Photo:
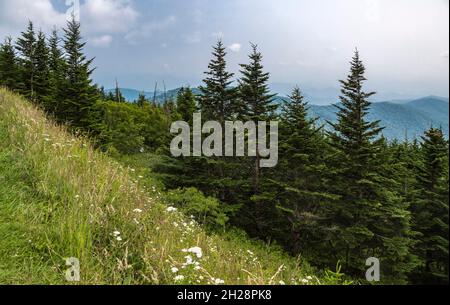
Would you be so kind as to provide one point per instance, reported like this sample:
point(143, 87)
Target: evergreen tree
point(56, 76)
point(300, 177)
point(370, 219)
point(142, 100)
point(256, 104)
point(42, 70)
point(186, 105)
point(430, 209)
point(26, 45)
point(218, 99)
point(9, 69)
point(79, 93)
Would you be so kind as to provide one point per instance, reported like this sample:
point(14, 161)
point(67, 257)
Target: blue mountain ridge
point(401, 119)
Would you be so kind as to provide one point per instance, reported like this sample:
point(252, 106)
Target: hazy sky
point(404, 43)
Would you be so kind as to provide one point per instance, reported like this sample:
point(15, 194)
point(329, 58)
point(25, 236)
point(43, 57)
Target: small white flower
point(305, 281)
point(197, 267)
point(189, 260)
point(281, 283)
point(174, 269)
point(171, 209)
point(118, 238)
point(116, 233)
point(219, 281)
point(137, 210)
point(309, 277)
point(197, 251)
point(179, 278)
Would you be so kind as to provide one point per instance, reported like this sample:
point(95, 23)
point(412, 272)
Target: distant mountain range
point(402, 118)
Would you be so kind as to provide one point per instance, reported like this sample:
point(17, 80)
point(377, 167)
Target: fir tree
point(9, 69)
point(142, 100)
point(256, 104)
point(42, 72)
point(370, 218)
point(256, 101)
point(300, 177)
point(430, 209)
point(186, 105)
point(218, 99)
point(79, 93)
point(26, 45)
point(56, 75)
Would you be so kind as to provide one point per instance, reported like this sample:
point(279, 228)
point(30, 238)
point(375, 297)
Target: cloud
point(15, 13)
point(101, 41)
point(146, 30)
point(235, 47)
point(108, 16)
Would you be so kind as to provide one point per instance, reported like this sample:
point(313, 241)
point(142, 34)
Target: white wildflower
point(118, 238)
point(197, 251)
point(116, 233)
point(189, 260)
point(174, 269)
point(179, 278)
point(281, 282)
point(305, 281)
point(171, 209)
point(137, 210)
point(219, 282)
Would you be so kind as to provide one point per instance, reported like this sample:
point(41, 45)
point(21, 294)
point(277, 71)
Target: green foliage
point(370, 218)
point(79, 93)
point(430, 208)
point(9, 67)
point(206, 210)
point(26, 45)
point(186, 104)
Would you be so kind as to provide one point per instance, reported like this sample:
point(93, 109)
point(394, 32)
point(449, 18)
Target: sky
point(403, 43)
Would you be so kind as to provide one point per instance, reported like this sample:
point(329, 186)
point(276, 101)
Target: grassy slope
point(59, 198)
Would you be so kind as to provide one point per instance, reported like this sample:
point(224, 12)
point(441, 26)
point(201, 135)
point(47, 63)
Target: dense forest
point(336, 197)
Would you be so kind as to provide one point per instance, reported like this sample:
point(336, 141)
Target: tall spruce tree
point(42, 70)
point(430, 209)
point(370, 219)
point(56, 75)
point(9, 70)
point(256, 100)
point(256, 104)
point(218, 99)
point(26, 45)
point(79, 93)
point(300, 177)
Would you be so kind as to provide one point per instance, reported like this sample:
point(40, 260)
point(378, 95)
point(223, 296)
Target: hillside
point(60, 198)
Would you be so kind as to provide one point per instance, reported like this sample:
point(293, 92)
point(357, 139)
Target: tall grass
point(72, 201)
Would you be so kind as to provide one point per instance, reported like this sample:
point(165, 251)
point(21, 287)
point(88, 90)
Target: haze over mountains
point(407, 118)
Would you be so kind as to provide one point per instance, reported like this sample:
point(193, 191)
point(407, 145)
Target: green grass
point(60, 198)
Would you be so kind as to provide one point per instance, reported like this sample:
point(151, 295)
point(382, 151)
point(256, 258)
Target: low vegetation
point(60, 198)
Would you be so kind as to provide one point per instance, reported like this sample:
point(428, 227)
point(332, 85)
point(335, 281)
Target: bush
point(206, 210)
